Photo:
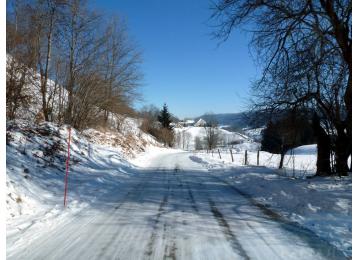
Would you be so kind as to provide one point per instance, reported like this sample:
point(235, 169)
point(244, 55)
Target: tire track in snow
point(139, 191)
point(132, 193)
point(184, 202)
point(175, 191)
point(264, 240)
point(225, 228)
point(169, 235)
point(221, 221)
point(155, 230)
point(306, 235)
point(220, 218)
point(63, 241)
point(191, 198)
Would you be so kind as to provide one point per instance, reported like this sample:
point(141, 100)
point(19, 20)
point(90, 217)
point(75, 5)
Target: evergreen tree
point(165, 117)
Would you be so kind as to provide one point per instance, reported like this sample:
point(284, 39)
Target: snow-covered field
point(254, 133)
point(141, 201)
point(299, 162)
point(188, 134)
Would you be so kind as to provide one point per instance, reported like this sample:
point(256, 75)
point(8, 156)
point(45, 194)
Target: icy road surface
point(175, 209)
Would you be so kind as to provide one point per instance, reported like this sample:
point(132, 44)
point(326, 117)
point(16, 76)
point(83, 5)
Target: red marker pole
point(67, 167)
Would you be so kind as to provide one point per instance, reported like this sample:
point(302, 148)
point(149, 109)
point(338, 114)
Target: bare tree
point(89, 93)
point(120, 69)
point(198, 143)
point(177, 139)
point(107, 55)
point(167, 136)
point(150, 123)
point(83, 63)
point(211, 133)
point(306, 48)
point(80, 45)
point(44, 17)
point(21, 58)
point(185, 139)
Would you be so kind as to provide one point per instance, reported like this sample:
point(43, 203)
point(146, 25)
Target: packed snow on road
point(152, 202)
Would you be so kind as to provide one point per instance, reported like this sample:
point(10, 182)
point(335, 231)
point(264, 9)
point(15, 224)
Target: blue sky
point(183, 66)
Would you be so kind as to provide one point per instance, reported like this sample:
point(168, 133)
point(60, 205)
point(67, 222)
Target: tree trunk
point(45, 74)
point(342, 34)
point(323, 163)
point(342, 152)
point(282, 155)
point(323, 155)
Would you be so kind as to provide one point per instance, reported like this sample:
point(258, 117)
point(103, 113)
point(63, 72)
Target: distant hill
point(238, 121)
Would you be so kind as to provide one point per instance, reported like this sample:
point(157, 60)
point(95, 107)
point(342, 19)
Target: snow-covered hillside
point(254, 133)
point(32, 90)
point(191, 132)
point(35, 170)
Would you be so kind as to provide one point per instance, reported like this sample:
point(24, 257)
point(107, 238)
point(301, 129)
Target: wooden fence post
point(257, 158)
point(232, 157)
point(219, 153)
point(245, 159)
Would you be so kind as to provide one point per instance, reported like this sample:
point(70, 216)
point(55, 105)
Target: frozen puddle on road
point(177, 212)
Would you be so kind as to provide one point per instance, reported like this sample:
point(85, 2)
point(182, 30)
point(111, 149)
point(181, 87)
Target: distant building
point(186, 123)
point(189, 122)
point(200, 122)
point(177, 125)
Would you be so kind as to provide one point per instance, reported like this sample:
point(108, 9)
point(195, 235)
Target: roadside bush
point(167, 136)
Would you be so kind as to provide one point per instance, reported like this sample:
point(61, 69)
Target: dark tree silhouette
point(166, 132)
point(165, 117)
point(323, 148)
point(271, 141)
point(306, 49)
point(293, 129)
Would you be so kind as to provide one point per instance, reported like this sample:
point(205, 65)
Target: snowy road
point(175, 209)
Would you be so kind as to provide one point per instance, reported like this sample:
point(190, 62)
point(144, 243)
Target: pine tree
point(165, 117)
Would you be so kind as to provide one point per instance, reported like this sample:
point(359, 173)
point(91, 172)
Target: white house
point(189, 122)
point(200, 122)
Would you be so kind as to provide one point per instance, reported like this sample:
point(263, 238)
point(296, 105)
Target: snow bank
point(32, 89)
point(129, 141)
point(35, 170)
